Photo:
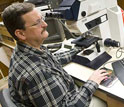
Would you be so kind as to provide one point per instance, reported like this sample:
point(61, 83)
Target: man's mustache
point(44, 29)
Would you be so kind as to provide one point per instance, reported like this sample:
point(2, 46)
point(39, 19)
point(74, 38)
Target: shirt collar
point(28, 49)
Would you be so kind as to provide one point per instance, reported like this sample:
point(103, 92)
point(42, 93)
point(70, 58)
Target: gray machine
point(95, 16)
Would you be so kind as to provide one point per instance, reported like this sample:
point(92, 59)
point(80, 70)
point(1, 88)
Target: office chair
point(5, 98)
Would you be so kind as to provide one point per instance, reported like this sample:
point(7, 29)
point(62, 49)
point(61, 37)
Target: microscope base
point(95, 63)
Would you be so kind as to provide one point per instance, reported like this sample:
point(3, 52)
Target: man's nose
point(44, 24)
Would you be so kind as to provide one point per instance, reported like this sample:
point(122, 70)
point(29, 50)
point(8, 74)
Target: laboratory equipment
point(104, 18)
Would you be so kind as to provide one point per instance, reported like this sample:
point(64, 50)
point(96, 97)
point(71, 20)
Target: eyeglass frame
point(38, 23)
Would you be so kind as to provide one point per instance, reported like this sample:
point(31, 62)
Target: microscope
point(94, 21)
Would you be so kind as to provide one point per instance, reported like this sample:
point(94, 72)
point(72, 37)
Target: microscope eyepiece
point(109, 42)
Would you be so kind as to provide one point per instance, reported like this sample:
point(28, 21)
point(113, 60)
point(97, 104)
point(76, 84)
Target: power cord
point(119, 52)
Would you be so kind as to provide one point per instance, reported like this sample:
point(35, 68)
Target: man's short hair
point(12, 16)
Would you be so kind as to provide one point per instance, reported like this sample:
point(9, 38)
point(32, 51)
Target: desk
point(114, 95)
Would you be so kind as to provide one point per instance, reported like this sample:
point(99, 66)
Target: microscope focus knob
point(83, 13)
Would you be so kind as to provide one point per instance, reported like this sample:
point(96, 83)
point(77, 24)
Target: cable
point(121, 51)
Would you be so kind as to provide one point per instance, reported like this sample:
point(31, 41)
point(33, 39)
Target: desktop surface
point(82, 73)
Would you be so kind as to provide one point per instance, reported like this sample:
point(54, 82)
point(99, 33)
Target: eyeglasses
point(38, 23)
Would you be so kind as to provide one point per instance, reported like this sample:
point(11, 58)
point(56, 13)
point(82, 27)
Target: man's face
point(35, 31)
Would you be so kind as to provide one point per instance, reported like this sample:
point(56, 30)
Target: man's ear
point(20, 34)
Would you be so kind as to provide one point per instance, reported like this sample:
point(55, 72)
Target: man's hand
point(99, 75)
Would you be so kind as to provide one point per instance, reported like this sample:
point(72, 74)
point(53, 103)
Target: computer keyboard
point(122, 62)
point(118, 67)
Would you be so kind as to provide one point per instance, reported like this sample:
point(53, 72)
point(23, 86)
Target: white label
point(103, 18)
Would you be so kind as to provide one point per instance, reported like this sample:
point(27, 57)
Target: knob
point(83, 13)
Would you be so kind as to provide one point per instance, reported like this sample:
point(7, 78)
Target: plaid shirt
point(37, 79)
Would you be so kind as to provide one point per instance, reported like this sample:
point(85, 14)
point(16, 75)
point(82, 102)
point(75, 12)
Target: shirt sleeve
point(67, 56)
point(81, 97)
point(50, 92)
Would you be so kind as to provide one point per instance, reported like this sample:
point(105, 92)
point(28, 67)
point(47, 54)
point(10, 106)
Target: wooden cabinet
point(121, 3)
point(5, 3)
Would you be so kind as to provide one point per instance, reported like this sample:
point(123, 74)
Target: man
point(36, 77)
